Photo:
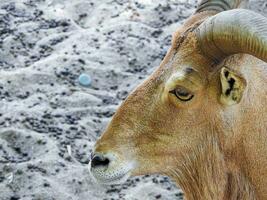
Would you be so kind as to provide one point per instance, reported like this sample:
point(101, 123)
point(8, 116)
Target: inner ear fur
point(232, 87)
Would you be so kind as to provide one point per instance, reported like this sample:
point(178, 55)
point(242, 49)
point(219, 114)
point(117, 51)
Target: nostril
point(98, 161)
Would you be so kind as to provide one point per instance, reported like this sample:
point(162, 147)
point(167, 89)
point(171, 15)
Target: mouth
point(111, 176)
point(114, 180)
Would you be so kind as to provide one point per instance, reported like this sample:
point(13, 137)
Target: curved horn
point(231, 32)
point(220, 5)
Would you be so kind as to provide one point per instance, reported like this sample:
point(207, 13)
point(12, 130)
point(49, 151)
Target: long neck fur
point(204, 175)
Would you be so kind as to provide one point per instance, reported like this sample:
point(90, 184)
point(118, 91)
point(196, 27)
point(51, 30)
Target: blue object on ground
point(85, 80)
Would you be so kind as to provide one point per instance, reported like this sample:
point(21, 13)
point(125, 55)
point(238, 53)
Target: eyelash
point(182, 94)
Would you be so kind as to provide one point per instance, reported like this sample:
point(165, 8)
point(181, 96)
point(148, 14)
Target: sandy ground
point(45, 114)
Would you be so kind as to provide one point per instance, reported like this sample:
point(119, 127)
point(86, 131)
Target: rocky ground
point(45, 114)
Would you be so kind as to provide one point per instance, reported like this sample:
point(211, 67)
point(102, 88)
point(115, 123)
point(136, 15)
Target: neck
point(203, 175)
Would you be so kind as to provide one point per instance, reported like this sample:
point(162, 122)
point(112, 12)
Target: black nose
point(99, 161)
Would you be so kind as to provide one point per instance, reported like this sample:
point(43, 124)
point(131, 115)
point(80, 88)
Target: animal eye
point(182, 94)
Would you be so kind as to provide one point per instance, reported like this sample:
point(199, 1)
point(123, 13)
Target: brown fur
point(212, 151)
point(203, 174)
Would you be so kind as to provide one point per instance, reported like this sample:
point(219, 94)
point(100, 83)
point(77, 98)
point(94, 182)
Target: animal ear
point(233, 87)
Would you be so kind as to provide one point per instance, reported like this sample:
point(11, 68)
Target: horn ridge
point(220, 5)
point(232, 32)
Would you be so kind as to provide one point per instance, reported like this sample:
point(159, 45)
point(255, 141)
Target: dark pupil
point(182, 92)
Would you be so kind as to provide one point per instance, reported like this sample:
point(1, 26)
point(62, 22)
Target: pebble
point(85, 80)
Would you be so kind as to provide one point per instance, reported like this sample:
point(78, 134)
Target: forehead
point(184, 58)
point(183, 72)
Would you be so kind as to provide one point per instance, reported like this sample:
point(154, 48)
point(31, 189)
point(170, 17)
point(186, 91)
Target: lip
point(115, 180)
point(111, 176)
point(121, 178)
